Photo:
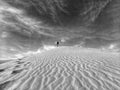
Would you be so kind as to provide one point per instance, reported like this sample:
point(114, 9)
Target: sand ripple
point(63, 69)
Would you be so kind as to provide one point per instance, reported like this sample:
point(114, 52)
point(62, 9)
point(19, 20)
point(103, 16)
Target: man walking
point(57, 43)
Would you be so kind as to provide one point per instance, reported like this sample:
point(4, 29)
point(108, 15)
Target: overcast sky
point(30, 24)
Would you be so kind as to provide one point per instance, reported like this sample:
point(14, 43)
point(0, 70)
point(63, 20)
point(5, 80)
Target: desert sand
point(63, 68)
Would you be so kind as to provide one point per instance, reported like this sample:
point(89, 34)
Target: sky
point(30, 25)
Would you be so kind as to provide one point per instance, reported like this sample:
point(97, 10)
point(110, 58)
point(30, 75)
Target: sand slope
point(63, 69)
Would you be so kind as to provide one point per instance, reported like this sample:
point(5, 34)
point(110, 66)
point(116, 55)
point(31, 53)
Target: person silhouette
point(57, 43)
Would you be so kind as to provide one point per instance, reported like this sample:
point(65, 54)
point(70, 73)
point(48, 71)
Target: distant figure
point(57, 43)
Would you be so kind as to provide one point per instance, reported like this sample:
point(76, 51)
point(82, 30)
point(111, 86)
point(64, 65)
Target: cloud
point(64, 18)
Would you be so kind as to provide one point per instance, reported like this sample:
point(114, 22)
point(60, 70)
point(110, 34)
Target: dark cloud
point(52, 19)
point(62, 12)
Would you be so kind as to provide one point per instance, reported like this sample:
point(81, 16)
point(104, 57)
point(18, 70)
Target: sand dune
point(63, 69)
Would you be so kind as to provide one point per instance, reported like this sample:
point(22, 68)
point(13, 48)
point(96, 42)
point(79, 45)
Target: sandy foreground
point(64, 68)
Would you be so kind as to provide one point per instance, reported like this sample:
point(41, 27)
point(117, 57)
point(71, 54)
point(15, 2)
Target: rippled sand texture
point(63, 69)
